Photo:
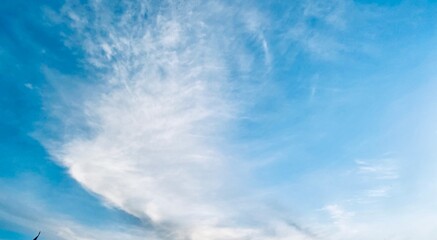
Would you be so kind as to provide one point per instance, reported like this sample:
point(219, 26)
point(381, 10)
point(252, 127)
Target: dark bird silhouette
point(37, 236)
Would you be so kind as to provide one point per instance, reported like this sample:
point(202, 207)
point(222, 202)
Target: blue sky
point(218, 119)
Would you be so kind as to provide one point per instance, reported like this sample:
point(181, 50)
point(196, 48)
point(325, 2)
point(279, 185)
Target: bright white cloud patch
point(158, 115)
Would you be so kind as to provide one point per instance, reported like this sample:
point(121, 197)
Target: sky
point(218, 120)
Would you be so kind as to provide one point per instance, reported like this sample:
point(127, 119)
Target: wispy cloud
point(158, 114)
point(316, 30)
point(383, 169)
point(169, 81)
point(34, 214)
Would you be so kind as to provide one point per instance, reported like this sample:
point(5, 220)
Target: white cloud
point(382, 169)
point(29, 86)
point(378, 192)
point(27, 212)
point(157, 117)
point(316, 30)
point(337, 213)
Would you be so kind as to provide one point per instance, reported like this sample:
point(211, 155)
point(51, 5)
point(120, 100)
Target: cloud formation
point(166, 95)
point(168, 82)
